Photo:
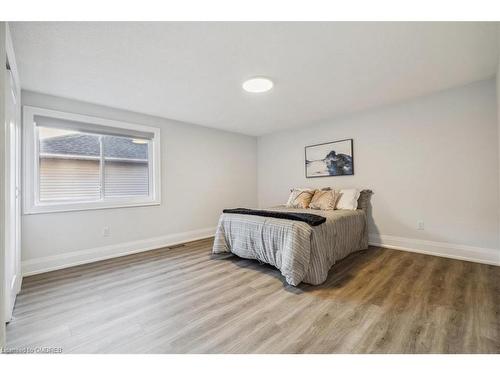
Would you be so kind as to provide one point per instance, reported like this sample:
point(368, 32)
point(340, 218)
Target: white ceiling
point(193, 71)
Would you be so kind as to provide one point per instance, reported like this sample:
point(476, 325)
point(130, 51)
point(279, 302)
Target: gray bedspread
point(302, 253)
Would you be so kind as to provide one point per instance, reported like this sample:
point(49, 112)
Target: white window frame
point(32, 204)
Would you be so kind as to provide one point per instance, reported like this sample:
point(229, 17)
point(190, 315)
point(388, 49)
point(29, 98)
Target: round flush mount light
point(258, 85)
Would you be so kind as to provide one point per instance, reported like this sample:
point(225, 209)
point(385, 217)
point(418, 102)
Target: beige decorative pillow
point(300, 198)
point(324, 200)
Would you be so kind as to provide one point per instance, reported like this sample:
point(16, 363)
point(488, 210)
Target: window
point(76, 162)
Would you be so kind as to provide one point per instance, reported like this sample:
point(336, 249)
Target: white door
point(12, 191)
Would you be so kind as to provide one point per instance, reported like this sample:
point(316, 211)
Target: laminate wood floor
point(185, 300)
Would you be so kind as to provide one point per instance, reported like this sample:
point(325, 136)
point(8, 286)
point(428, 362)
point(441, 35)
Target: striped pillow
point(300, 198)
point(324, 200)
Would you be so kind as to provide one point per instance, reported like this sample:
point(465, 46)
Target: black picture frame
point(340, 167)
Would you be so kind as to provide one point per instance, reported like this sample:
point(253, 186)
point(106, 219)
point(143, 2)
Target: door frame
point(12, 184)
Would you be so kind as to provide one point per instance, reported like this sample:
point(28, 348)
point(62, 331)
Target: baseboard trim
point(441, 249)
point(56, 262)
point(12, 291)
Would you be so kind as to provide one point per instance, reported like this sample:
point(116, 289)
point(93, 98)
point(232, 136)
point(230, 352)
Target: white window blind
point(66, 179)
point(125, 179)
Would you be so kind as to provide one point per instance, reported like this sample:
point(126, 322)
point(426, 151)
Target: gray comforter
point(302, 253)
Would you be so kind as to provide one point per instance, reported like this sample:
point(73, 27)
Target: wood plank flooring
point(185, 300)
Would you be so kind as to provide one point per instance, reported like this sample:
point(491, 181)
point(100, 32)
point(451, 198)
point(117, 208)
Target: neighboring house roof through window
point(88, 145)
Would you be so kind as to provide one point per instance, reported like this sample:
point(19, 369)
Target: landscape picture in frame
point(329, 159)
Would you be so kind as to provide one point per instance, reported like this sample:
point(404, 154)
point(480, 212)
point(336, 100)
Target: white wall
point(203, 171)
point(434, 158)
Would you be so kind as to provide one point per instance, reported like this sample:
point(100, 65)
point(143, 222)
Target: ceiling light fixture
point(258, 85)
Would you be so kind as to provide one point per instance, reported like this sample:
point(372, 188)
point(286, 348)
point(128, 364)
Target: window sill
point(87, 206)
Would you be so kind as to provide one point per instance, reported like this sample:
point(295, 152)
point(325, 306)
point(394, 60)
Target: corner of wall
point(257, 170)
point(498, 124)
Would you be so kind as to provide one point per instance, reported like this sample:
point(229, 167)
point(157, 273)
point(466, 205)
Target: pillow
point(348, 199)
point(300, 198)
point(324, 200)
point(364, 199)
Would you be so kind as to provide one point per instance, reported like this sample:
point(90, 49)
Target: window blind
point(125, 179)
point(69, 179)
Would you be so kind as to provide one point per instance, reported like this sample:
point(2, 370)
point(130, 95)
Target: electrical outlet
point(420, 225)
point(106, 232)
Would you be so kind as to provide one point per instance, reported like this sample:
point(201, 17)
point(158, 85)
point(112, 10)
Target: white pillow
point(348, 199)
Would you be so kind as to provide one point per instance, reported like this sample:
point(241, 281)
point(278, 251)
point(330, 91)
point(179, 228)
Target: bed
point(303, 253)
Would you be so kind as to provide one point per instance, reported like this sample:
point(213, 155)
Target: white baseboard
point(55, 262)
point(12, 291)
point(442, 249)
